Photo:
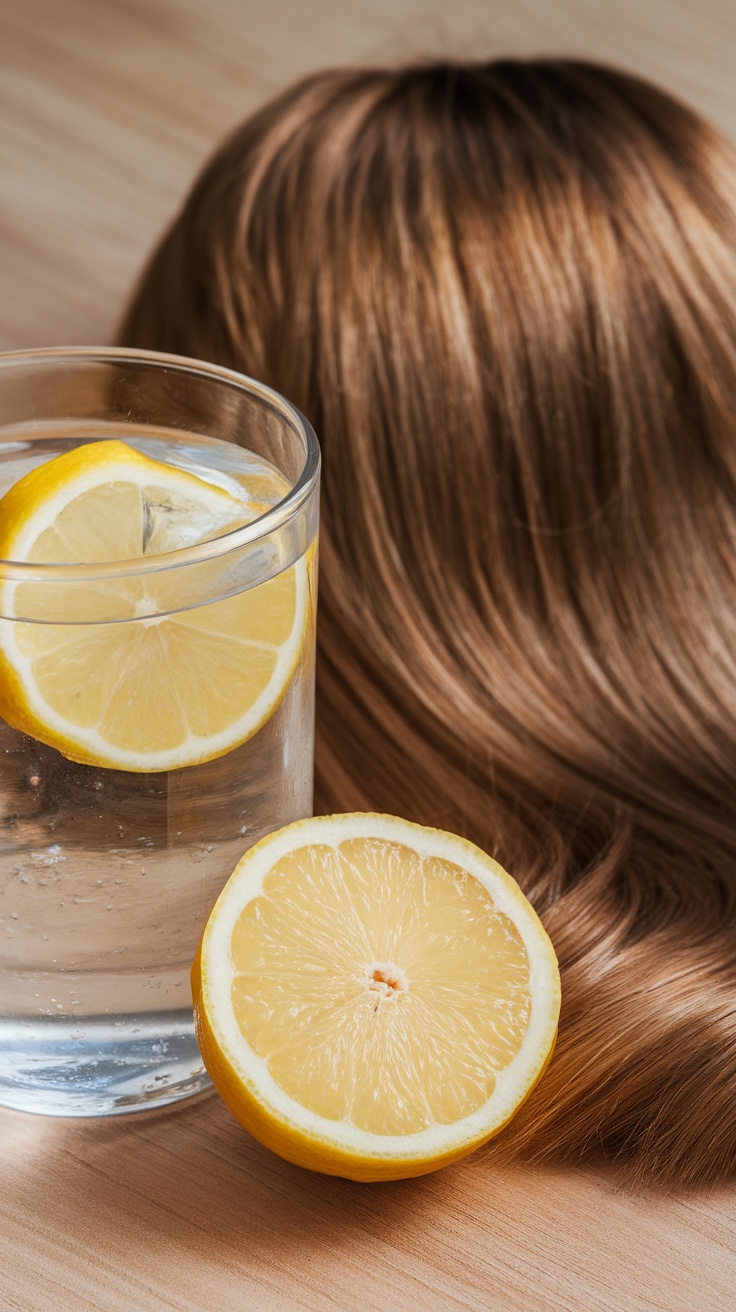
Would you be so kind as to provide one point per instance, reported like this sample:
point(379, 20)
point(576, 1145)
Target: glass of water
point(131, 783)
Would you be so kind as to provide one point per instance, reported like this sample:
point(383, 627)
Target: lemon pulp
point(410, 989)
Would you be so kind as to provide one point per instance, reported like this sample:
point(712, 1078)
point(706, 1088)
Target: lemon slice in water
point(159, 692)
point(373, 999)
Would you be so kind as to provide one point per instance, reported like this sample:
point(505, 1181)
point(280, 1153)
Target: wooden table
point(106, 109)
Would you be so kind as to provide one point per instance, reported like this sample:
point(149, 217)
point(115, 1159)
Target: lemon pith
point(166, 686)
point(373, 999)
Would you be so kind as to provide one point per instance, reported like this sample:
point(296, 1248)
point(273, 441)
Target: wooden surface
point(182, 1211)
point(106, 109)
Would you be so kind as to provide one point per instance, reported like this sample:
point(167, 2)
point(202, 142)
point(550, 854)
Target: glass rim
point(235, 539)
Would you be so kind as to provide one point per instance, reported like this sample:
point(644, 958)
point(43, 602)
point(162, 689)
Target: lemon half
point(373, 999)
point(164, 690)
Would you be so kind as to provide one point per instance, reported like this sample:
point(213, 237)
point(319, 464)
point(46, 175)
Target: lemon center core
point(386, 980)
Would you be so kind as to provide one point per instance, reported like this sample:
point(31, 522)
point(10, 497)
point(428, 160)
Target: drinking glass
point(107, 875)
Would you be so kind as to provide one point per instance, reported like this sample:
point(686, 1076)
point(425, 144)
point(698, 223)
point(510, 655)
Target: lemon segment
point(373, 999)
point(98, 503)
point(172, 687)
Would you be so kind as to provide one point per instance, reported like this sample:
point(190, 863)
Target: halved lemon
point(373, 999)
point(172, 687)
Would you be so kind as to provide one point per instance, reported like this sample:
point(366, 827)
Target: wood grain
point(107, 107)
point(182, 1210)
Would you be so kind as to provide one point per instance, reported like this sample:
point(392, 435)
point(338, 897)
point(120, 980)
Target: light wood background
point(107, 108)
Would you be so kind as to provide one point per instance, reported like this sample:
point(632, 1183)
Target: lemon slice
point(373, 999)
point(162, 691)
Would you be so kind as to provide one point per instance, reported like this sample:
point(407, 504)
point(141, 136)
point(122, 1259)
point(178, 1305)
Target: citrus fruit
point(174, 686)
point(373, 999)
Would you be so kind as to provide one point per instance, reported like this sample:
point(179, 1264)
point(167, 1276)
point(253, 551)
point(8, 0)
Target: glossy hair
point(505, 296)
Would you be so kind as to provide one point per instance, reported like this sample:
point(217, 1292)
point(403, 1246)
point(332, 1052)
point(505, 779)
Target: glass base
point(102, 1067)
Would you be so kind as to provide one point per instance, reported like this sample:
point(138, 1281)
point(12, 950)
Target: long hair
point(505, 296)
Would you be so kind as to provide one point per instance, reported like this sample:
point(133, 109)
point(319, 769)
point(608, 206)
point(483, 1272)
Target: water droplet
point(51, 857)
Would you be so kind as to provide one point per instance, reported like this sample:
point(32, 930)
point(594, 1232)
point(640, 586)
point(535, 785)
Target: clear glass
point(107, 875)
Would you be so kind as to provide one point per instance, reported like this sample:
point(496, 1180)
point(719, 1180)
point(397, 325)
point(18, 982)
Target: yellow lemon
point(373, 999)
point(165, 686)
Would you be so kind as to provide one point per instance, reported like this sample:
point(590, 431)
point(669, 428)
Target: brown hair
point(505, 295)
